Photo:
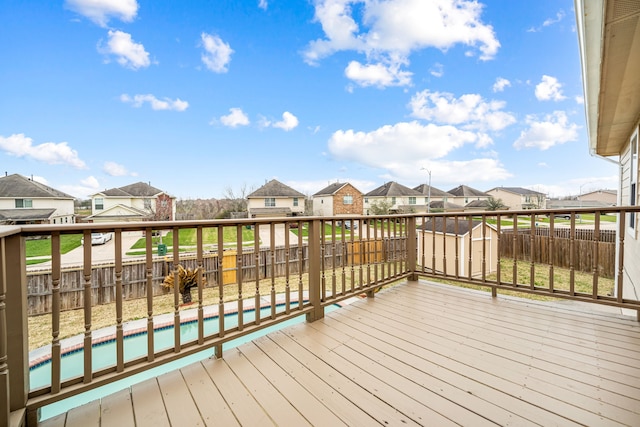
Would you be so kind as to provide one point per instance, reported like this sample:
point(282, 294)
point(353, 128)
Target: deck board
point(416, 354)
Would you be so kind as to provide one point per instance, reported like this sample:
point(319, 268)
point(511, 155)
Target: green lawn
point(187, 237)
point(42, 247)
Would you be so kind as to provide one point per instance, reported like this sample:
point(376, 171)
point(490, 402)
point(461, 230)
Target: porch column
point(14, 278)
point(412, 248)
point(315, 286)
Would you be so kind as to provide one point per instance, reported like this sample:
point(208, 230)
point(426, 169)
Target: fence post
point(315, 297)
point(412, 248)
point(14, 277)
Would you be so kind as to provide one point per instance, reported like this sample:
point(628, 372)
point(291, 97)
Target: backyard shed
point(464, 238)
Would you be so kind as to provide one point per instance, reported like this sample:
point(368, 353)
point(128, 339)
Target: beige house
point(338, 199)
point(463, 195)
point(469, 241)
point(518, 198)
point(135, 202)
point(609, 39)
point(275, 199)
point(397, 197)
point(607, 197)
point(25, 201)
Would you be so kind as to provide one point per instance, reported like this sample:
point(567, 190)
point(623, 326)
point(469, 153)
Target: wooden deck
point(416, 354)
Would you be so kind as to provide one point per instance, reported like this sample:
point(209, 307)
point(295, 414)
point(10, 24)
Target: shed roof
point(16, 185)
point(275, 188)
point(392, 189)
point(449, 226)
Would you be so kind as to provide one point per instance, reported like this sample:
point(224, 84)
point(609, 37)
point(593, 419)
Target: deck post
point(412, 248)
point(17, 355)
point(315, 297)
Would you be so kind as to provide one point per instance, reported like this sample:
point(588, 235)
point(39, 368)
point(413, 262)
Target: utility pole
point(428, 190)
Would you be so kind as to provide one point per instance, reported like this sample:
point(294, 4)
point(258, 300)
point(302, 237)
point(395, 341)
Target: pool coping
point(42, 355)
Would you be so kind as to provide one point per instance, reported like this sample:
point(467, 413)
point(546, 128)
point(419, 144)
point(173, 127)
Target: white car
point(99, 238)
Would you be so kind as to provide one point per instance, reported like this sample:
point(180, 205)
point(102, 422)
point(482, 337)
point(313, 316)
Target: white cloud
point(91, 182)
point(550, 21)
point(470, 110)
point(19, 145)
point(543, 134)
point(100, 11)
point(500, 84)
point(217, 54)
point(549, 89)
point(235, 118)
point(437, 70)
point(128, 53)
point(115, 169)
point(288, 122)
point(377, 74)
point(391, 146)
point(262, 4)
point(579, 99)
point(86, 188)
point(388, 32)
point(155, 103)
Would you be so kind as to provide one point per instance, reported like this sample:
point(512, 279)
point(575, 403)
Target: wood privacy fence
point(252, 267)
point(584, 255)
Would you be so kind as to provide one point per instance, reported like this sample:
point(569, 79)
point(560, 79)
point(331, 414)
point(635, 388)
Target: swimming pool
point(135, 346)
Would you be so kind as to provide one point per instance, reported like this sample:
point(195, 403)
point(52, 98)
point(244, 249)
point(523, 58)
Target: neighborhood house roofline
point(25, 214)
point(333, 189)
point(137, 190)
point(518, 190)
point(18, 186)
point(435, 192)
point(466, 191)
point(393, 189)
point(275, 188)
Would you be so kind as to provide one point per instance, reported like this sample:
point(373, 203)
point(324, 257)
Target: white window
point(295, 201)
point(393, 200)
point(24, 203)
point(412, 200)
point(270, 202)
point(347, 200)
point(99, 203)
point(633, 178)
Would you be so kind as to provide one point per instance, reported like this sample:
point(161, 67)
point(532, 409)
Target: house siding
point(339, 208)
point(631, 271)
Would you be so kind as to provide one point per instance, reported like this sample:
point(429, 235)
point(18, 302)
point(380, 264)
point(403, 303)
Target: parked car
point(565, 216)
point(98, 238)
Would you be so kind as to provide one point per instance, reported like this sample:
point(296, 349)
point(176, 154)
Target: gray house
point(275, 199)
point(398, 197)
point(25, 201)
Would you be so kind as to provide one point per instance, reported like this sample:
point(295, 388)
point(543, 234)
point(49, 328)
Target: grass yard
point(188, 239)
point(42, 247)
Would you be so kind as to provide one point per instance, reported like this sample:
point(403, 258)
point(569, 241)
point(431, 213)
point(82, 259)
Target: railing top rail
point(9, 230)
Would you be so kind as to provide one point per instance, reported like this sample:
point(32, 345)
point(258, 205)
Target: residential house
point(459, 242)
point(518, 198)
point(275, 199)
point(608, 197)
point(397, 197)
point(338, 199)
point(609, 40)
point(464, 194)
point(432, 194)
point(478, 206)
point(135, 202)
point(25, 201)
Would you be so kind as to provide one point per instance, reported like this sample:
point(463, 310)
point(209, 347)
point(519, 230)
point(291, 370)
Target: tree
point(236, 202)
point(495, 204)
point(380, 207)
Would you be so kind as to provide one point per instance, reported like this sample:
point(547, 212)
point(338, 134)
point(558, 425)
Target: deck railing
point(266, 271)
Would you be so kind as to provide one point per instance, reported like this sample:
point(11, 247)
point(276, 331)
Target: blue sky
point(198, 97)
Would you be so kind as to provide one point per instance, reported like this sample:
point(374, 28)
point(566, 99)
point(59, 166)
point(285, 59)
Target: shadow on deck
point(416, 354)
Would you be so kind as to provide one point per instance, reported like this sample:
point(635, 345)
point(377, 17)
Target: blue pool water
point(135, 346)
